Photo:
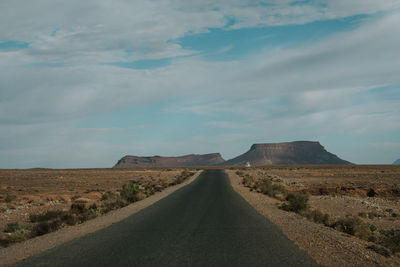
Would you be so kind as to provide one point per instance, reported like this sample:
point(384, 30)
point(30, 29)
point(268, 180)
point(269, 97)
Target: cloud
point(352, 61)
point(301, 92)
point(92, 31)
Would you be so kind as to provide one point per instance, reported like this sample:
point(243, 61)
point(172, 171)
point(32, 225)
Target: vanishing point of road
point(205, 223)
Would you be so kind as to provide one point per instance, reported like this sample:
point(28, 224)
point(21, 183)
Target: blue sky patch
point(224, 44)
point(10, 45)
point(143, 64)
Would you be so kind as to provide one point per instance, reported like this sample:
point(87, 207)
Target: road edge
point(337, 249)
point(31, 247)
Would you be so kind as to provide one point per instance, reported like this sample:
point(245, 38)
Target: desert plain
point(33, 196)
point(369, 193)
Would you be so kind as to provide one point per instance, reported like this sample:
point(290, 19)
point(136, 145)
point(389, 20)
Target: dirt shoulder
point(31, 247)
point(327, 246)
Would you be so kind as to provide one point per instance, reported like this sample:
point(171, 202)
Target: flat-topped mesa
point(158, 161)
point(298, 152)
point(287, 145)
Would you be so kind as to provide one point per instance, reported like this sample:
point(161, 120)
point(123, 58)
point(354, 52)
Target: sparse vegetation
point(297, 202)
point(130, 192)
point(111, 201)
point(45, 227)
point(15, 233)
point(12, 227)
point(391, 240)
point(83, 195)
point(355, 226)
point(362, 214)
point(369, 215)
point(182, 177)
point(273, 190)
point(248, 181)
point(53, 220)
point(379, 249)
point(386, 242)
point(318, 217)
point(73, 198)
point(371, 193)
point(47, 216)
point(10, 198)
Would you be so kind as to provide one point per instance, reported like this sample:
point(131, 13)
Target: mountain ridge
point(297, 152)
point(189, 160)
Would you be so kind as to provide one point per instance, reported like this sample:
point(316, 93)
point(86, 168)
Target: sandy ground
point(36, 191)
point(19, 251)
point(336, 190)
point(327, 246)
point(342, 190)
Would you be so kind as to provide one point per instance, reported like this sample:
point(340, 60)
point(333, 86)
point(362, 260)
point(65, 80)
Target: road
point(205, 223)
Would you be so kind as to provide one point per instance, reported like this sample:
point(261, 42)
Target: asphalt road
point(203, 224)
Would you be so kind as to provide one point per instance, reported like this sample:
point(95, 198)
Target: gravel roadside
point(327, 246)
point(37, 245)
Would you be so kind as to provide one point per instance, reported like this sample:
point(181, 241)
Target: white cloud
point(95, 31)
point(306, 92)
point(353, 61)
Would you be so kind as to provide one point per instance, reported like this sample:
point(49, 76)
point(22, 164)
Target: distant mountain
point(397, 162)
point(299, 152)
point(158, 161)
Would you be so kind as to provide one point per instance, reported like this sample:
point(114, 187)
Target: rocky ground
point(75, 195)
point(31, 247)
point(371, 192)
point(340, 191)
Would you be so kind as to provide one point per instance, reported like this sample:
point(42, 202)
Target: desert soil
point(34, 191)
point(98, 180)
point(338, 191)
point(343, 190)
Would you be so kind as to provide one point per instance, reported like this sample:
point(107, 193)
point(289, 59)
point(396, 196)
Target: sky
point(84, 83)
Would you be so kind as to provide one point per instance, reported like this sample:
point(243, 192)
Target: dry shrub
point(248, 180)
point(273, 190)
point(111, 201)
point(108, 196)
point(379, 249)
point(130, 192)
point(318, 217)
point(78, 208)
point(391, 240)
point(181, 178)
point(48, 215)
point(12, 227)
point(240, 173)
point(70, 219)
point(52, 220)
point(4, 242)
point(363, 214)
point(46, 227)
point(79, 214)
point(297, 202)
point(371, 193)
point(16, 233)
point(10, 198)
point(355, 226)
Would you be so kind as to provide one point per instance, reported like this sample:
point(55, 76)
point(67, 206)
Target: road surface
point(203, 224)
